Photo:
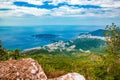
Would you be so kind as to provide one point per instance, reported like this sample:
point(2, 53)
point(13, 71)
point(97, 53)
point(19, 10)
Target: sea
point(22, 37)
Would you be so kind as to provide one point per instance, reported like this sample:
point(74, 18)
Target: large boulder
point(21, 70)
point(70, 76)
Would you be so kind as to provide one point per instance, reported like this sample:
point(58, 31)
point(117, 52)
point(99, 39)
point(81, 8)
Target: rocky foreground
point(29, 69)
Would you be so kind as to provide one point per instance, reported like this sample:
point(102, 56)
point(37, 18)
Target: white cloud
point(21, 11)
point(110, 8)
point(72, 11)
point(66, 11)
point(56, 2)
point(32, 11)
point(36, 2)
point(102, 3)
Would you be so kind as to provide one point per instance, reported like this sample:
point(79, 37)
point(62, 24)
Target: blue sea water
point(22, 37)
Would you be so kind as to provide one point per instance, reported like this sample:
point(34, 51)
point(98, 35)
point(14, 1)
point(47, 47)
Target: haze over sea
point(22, 37)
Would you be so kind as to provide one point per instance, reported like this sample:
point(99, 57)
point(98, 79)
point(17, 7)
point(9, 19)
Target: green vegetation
point(94, 66)
point(87, 43)
point(7, 54)
point(112, 35)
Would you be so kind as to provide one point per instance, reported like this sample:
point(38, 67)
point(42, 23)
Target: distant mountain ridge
point(99, 32)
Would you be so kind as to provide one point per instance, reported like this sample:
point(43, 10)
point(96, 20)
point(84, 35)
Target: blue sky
point(59, 12)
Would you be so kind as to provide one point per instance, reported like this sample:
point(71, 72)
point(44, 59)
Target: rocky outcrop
point(21, 69)
point(29, 69)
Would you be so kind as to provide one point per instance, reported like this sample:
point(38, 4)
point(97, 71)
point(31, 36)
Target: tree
point(16, 54)
point(112, 36)
point(3, 53)
point(6, 55)
point(0, 44)
point(0, 48)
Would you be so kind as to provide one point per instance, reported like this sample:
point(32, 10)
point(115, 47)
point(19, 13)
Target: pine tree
point(112, 36)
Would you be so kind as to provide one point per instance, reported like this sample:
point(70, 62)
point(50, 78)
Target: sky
point(59, 12)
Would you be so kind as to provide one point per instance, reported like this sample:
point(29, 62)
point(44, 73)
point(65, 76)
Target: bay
point(21, 37)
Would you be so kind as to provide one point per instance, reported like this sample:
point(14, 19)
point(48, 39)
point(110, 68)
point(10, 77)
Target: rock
point(70, 76)
point(21, 70)
point(29, 69)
